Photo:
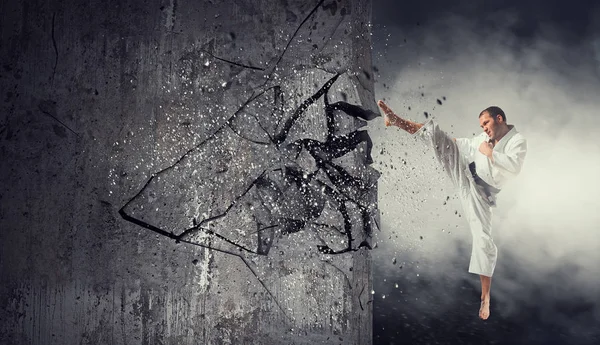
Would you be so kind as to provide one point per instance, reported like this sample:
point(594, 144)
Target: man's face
point(489, 125)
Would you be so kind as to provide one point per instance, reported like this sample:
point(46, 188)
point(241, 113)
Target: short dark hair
point(494, 111)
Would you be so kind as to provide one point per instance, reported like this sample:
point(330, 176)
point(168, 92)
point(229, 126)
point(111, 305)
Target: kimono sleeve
point(511, 161)
point(466, 147)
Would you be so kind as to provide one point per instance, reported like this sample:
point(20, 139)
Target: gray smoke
point(547, 223)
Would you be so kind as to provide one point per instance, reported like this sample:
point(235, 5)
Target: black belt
point(488, 190)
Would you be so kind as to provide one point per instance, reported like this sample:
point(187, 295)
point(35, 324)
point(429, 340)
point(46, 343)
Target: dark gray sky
point(572, 18)
point(539, 61)
point(522, 23)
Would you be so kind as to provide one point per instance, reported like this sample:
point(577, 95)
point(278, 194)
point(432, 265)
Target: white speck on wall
point(170, 11)
point(202, 280)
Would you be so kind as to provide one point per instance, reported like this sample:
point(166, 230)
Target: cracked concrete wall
point(185, 172)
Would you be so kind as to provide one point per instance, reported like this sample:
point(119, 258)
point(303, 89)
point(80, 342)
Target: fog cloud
point(547, 224)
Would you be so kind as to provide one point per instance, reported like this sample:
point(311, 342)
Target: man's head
point(493, 122)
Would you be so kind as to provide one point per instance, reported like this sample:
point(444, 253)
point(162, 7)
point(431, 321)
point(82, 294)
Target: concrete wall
point(150, 190)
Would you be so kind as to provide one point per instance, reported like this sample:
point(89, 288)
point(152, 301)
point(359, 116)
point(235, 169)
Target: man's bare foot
point(484, 309)
point(392, 119)
point(389, 118)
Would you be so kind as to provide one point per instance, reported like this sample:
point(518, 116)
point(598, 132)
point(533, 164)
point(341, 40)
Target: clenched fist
point(486, 148)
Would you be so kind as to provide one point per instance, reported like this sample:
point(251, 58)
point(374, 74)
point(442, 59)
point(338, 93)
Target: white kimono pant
point(477, 210)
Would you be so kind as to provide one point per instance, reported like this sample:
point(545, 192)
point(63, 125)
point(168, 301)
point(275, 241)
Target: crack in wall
point(49, 108)
point(274, 189)
point(322, 153)
point(294, 35)
point(233, 62)
point(341, 271)
point(359, 295)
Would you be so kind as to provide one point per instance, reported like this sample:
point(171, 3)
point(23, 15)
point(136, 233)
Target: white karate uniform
point(508, 157)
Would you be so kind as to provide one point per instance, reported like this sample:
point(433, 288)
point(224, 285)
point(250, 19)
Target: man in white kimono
point(479, 168)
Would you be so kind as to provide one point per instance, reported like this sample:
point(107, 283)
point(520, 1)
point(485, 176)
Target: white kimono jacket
point(507, 156)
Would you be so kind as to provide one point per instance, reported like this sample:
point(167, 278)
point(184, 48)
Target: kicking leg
point(392, 119)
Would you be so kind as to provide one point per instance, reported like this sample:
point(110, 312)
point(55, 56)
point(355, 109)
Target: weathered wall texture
point(171, 172)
